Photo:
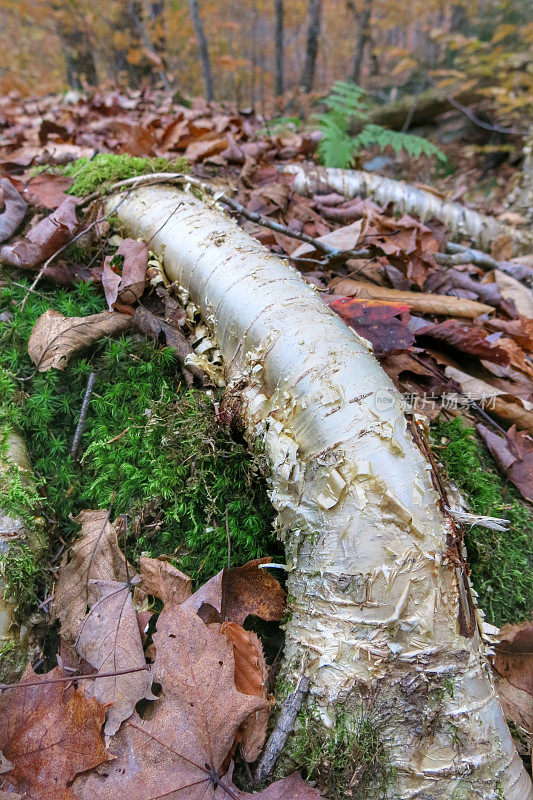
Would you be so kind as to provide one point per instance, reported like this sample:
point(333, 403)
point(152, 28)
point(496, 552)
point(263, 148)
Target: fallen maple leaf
point(110, 640)
point(49, 733)
point(179, 751)
point(94, 556)
point(293, 787)
point(55, 338)
point(127, 285)
point(42, 241)
point(14, 212)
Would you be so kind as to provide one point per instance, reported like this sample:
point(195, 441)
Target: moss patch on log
point(154, 449)
point(91, 174)
point(501, 561)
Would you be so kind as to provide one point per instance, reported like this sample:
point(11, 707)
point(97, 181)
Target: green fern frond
point(338, 149)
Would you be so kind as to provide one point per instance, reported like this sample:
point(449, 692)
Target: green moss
point(348, 760)
point(156, 448)
point(501, 562)
point(24, 578)
point(106, 168)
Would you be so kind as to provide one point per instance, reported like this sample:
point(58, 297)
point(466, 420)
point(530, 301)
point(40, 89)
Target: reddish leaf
point(47, 189)
point(49, 733)
point(376, 321)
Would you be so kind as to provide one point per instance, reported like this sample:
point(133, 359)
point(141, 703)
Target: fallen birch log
point(459, 220)
point(379, 609)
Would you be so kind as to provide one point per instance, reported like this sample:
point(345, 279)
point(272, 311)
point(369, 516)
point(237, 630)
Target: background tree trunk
point(278, 37)
point(202, 47)
point(80, 66)
point(379, 616)
point(311, 50)
point(363, 38)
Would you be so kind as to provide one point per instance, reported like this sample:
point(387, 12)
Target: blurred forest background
point(271, 55)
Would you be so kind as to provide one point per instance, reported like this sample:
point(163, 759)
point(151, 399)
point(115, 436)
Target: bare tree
point(363, 38)
point(77, 49)
point(311, 50)
point(202, 46)
point(278, 36)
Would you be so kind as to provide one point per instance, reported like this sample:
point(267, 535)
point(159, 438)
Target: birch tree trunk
point(459, 220)
point(376, 602)
point(311, 50)
point(202, 46)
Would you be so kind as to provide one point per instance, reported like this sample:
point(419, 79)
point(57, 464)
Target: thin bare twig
point(229, 540)
point(71, 678)
point(252, 216)
point(282, 730)
point(82, 422)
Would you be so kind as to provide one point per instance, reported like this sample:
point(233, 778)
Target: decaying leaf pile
point(209, 676)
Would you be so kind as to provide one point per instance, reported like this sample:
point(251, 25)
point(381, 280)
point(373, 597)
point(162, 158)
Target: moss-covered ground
point(152, 448)
point(501, 561)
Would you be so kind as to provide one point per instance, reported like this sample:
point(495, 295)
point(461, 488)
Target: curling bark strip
point(459, 220)
point(373, 598)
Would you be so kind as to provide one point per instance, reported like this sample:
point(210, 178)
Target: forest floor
point(157, 452)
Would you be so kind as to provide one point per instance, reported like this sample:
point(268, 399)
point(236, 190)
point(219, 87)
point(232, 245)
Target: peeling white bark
point(373, 599)
point(459, 220)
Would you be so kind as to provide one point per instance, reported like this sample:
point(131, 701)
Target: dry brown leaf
point(513, 290)
point(466, 339)
point(125, 284)
point(496, 400)
point(160, 579)
point(419, 302)
point(516, 704)
point(293, 787)
point(376, 321)
point(94, 556)
point(345, 238)
point(55, 338)
point(513, 658)
point(250, 678)
point(49, 235)
point(110, 640)
point(514, 456)
point(179, 751)
point(14, 211)
point(234, 594)
point(49, 733)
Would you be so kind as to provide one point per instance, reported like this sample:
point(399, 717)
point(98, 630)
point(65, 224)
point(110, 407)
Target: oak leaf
point(110, 640)
point(55, 338)
point(94, 556)
point(179, 751)
point(49, 733)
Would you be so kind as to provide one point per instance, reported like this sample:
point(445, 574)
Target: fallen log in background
point(459, 220)
point(377, 599)
point(417, 109)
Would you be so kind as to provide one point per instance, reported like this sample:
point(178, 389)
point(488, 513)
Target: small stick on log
point(82, 422)
point(282, 730)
